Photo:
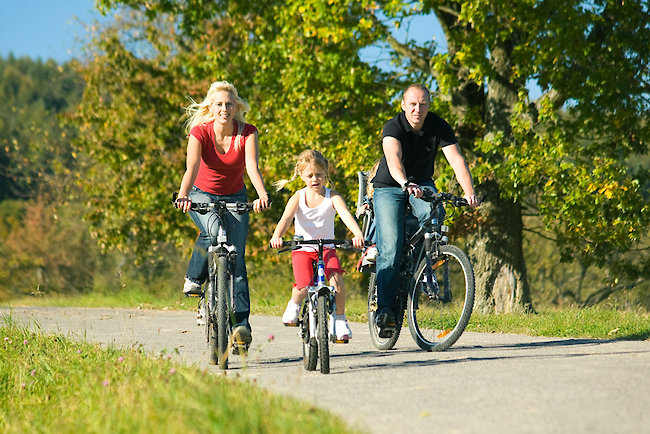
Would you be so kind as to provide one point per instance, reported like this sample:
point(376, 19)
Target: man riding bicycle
point(410, 142)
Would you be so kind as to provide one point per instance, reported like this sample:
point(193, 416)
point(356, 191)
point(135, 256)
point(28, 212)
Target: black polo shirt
point(419, 148)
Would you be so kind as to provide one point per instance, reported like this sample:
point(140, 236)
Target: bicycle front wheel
point(440, 302)
point(309, 343)
point(222, 310)
point(210, 324)
point(382, 343)
point(323, 335)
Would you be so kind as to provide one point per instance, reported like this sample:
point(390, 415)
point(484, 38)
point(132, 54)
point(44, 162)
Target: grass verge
point(51, 384)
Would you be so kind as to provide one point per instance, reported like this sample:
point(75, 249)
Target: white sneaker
point(343, 332)
point(369, 256)
point(200, 314)
point(290, 316)
point(191, 288)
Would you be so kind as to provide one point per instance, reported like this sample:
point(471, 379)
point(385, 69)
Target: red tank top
point(221, 174)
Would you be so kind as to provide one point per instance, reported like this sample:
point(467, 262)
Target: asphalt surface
point(486, 383)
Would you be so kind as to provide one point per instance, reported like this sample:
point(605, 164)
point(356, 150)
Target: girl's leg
point(336, 280)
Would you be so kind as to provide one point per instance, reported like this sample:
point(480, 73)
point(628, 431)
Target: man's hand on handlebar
point(472, 200)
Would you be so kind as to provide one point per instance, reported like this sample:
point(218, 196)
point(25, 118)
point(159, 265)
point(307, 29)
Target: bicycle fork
point(313, 293)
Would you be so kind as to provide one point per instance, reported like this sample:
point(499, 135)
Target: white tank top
point(315, 223)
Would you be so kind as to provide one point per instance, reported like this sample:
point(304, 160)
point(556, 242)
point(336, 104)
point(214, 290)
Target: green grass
point(50, 384)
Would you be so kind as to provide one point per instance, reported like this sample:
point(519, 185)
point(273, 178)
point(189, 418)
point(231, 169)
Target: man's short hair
point(419, 86)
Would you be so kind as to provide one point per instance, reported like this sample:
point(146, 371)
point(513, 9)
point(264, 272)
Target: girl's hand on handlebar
point(262, 203)
point(183, 203)
point(358, 242)
point(276, 242)
point(472, 200)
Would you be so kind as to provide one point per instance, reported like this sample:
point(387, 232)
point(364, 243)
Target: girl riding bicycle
point(313, 208)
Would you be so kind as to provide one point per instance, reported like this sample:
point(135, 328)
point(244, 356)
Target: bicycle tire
point(437, 322)
point(210, 326)
point(381, 343)
point(323, 334)
point(309, 344)
point(222, 311)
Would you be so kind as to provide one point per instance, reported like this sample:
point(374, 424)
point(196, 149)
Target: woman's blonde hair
point(305, 159)
point(199, 112)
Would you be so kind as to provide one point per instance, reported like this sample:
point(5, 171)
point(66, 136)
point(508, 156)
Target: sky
point(45, 29)
point(53, 28)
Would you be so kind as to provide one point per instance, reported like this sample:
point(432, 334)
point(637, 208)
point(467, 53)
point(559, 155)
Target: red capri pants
point(303, 270)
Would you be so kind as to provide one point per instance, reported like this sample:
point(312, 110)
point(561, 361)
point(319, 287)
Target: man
point(410, 143)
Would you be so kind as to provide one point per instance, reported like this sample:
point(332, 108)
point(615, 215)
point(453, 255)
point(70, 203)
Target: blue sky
point(44, 28)
point(54, 28)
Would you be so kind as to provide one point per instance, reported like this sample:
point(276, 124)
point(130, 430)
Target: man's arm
point(464, 177)
point(393, 153)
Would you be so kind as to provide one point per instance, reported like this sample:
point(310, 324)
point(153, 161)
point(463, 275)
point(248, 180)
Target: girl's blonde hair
point(305, 159)
point(199, 112)
point(370, 189)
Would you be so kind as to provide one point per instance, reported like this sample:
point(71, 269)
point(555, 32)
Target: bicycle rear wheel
point(210, 325)
point(323, 335)
point(309, 344)
point(222, 311)
point(381, 343)
point(437, 321)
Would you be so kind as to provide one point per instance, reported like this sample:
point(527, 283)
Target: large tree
point(568, 156)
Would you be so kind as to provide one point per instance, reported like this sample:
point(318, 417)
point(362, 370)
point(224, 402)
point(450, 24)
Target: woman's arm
point(192, 163)
point(285, 221)
point(252, 153)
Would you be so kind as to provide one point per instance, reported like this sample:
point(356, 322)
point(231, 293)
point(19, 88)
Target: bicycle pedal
point(342, 341)
point(239, 348)
point(290, 324)
point(193, 295)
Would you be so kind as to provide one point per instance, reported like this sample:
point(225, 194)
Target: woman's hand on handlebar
point(183, 203)
point(261, 203)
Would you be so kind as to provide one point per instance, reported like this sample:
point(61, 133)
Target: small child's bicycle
point(319, 305)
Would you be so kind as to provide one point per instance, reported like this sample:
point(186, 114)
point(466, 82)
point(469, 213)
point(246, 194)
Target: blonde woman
point(221, 145)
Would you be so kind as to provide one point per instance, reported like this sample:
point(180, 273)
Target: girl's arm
point(285, 221)
point(346, 216)
point(192, 163)
point(252, 153)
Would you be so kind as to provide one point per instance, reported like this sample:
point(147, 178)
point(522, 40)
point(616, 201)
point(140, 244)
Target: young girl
point(314, 208)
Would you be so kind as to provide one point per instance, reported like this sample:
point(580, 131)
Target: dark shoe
point(241, 339)
point(386, 324)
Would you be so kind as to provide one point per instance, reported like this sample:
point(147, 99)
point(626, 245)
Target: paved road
point(486, 383)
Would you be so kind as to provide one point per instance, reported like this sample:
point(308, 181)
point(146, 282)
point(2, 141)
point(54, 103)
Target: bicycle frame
point(319, 286)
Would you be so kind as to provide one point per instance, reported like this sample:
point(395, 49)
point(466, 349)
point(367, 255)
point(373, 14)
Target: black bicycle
point(319, 305)
point(218, 297)
point(438, 282)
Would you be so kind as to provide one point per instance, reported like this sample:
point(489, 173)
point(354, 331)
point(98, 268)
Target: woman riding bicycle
point(220, 146)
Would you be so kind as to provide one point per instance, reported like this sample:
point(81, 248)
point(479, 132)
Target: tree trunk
point(498, 258)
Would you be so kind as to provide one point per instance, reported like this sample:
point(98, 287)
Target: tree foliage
point(569, 156)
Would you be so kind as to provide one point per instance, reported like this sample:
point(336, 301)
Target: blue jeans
point(390, 216)
point(237, 232)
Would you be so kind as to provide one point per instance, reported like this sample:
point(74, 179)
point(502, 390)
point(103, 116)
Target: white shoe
point(290, 316)
point(369, 256)
point(191, 288)
point(200, 314)
point(343, 332)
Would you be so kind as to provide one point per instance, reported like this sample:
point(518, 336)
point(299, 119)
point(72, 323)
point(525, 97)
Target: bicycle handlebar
point(205, 207)
point(431, 196)
point(295, 244)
